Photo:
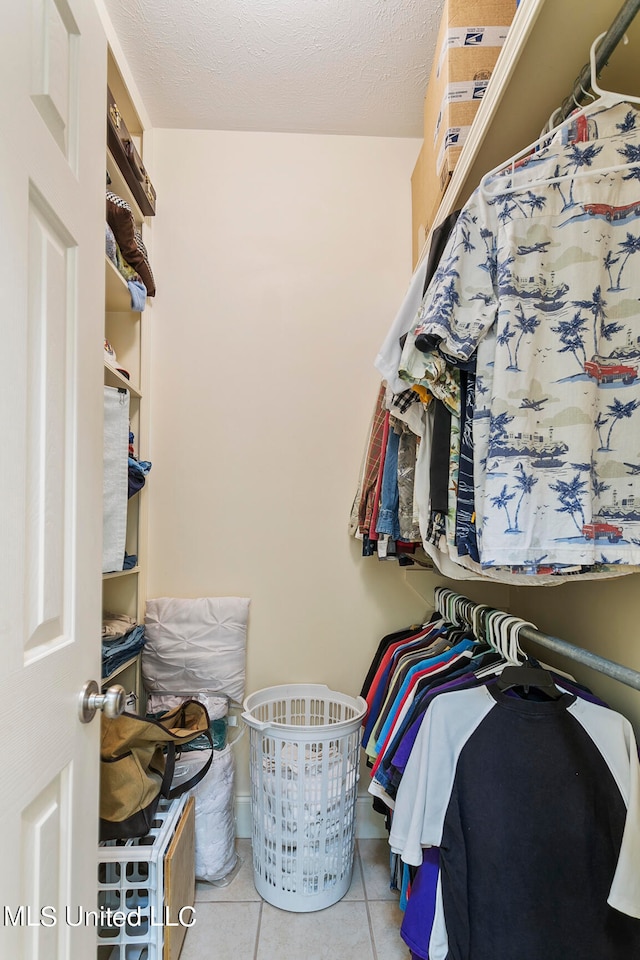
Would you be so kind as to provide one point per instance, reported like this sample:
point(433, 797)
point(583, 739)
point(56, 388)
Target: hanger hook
point(516, 630)
point(586, 93)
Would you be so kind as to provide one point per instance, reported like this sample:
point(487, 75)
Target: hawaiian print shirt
point(541, 280)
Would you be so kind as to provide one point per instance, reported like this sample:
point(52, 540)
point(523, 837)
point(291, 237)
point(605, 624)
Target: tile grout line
point(258, 931)
point(374, 950)
point(364, 885)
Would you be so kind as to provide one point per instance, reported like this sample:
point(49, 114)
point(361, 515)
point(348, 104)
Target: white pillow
point(196, 645)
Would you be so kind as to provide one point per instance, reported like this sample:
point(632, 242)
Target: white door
point(52, 179)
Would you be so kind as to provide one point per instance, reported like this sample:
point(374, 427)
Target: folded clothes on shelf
point(117, 652)
point(116, 625)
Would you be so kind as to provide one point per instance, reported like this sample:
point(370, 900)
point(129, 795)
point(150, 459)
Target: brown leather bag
point(137, 757)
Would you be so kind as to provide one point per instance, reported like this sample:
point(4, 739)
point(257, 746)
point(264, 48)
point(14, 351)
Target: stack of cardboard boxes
point(464, 60)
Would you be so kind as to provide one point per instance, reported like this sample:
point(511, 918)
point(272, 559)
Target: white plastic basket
point(131, 881)
point(304, 759)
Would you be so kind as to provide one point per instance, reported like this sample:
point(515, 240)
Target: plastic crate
point(304, 760)
point(131, 881)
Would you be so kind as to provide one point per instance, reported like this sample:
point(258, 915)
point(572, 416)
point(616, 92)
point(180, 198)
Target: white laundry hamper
point(304, 764)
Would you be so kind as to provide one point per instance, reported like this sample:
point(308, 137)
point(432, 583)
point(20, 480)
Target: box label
point(453, 137)
point(460, 92)
point(471, 37)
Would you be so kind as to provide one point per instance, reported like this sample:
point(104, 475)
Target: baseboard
point(369, 824)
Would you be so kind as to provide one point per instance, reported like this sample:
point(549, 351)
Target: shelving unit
point(124, 591)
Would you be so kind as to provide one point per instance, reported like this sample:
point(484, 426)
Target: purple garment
point(401, 755)
point(421, 906)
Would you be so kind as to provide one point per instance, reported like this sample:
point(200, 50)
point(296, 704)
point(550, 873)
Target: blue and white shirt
point(541, 277)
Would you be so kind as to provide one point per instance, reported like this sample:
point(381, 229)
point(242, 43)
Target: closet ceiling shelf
point(121, 573)
point(501, 127)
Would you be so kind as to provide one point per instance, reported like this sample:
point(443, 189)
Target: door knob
point(112, 703)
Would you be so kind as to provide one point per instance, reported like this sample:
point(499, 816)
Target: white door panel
point(52, 149)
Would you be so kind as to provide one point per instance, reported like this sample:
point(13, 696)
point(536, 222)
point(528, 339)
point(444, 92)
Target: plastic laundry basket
point(304, 757)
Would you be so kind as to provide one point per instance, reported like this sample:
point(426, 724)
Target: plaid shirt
point(402, 401)
point(371, 470)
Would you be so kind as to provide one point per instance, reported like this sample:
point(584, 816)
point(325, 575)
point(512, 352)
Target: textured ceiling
point(303, 66)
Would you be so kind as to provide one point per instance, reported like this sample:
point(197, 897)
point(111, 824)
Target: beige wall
point(601, 617)
point(280, 262)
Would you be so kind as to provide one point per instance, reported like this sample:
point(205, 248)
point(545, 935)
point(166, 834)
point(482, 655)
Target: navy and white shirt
point(535, 807)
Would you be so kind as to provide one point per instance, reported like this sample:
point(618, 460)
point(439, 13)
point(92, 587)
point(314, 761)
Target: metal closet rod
point(608, 668)
point(610, 41)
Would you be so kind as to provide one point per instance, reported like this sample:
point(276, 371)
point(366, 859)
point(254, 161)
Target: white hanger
point(516, 649)
point(606, 98)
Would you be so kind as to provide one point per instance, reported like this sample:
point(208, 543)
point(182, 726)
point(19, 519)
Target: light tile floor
point(234, 923)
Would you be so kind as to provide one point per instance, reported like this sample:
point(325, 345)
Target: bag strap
point(196, 778)
point(169, 767)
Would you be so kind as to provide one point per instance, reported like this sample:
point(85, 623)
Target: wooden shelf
point(120, 187)
point(520, 96)
point(114, 379)
point(114, 673)
point(117, 296)
point(121, 573)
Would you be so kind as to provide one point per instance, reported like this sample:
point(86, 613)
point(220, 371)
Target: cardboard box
point(419, 207)
point(464, 60)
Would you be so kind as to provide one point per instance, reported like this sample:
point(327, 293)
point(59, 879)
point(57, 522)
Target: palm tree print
point(499, 425)
point(506, 213)
point(631, 152)
point(596, 306)
point(580, 157)
point(501, 502)
point(571, 337)
point(465, 241)
point(447, 299)
point(526, 482)
point(629, 246)
point(535, 201)
point(628, 124)
point(620, 411)
point(634, 174)
point(509, 200)
point(609, 262)
point(498, 429)
point(503, 274)
point(600, 422)
point(526, 326)
point(503, 339)
point(558, 185)
point(600, 487)
point(570, 494)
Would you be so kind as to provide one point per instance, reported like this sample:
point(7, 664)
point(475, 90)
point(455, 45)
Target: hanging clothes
point(536, 282)
point(535, 808)
point(500, 801)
